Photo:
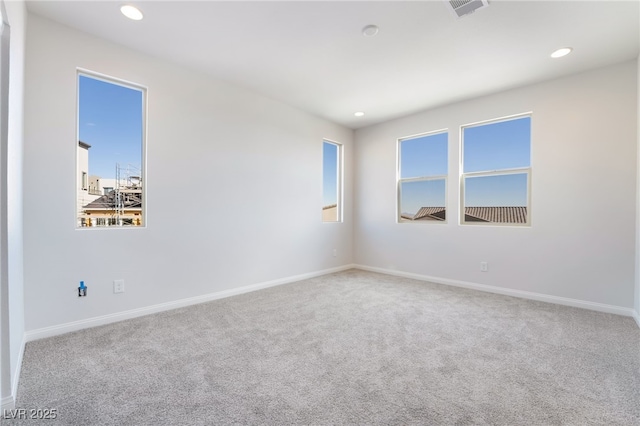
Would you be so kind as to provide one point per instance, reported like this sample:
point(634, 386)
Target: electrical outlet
point(118, 286)
point(484, 266)
point(335, 252)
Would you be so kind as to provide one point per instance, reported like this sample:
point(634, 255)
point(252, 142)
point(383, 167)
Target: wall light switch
point(118, 286)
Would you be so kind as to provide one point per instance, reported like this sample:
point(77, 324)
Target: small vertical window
point(422, 178)
point(496, 172)
point(331, 182)
point(110, 148)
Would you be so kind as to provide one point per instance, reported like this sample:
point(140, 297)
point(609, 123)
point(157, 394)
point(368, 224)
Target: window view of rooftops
point(423, 172)
point(109, 151)
point(496, 168)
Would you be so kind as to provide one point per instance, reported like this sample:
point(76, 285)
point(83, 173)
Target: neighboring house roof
point(131, 200)
point(331, 206)
point(431, 213)
point(330, 214)
point(83, 145)
point(517, 214)
point(496, 214)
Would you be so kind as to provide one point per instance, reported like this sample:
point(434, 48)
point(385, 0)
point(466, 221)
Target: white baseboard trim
point(636, 316)
point(8, 403)
point(16, 373)
point(601, 307)
point(56, 330)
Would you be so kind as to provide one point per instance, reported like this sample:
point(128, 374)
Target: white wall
point(637, 289)
point(16, 16)
point(258, 218)
point(582, 240)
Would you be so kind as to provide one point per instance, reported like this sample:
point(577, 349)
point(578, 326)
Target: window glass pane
point(110, 133)
point(423, 200)
point(424, 156)
point(330, 182)
point(495, 146)
point(499, 190)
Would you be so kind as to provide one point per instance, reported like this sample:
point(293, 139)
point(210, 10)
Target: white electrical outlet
point(118, 286)
point(484, 266)
point(335, 252)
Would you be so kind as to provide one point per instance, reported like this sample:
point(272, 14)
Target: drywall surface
point(16, 17)
point(637, 289)
point(581, 241)
point(18, 20)
point(233, 187)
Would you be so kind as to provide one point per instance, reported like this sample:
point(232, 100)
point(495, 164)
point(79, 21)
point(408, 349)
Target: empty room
point(315, 212)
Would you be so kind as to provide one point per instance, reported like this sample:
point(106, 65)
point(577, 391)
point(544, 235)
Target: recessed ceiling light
point(370, 30)
point(359, 114)
point(131, 12)
point(561, 52)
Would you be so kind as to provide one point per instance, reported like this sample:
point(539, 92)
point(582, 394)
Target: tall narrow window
point(110, 155)
point(331, 182)
point(496, 172)
point(422, 178)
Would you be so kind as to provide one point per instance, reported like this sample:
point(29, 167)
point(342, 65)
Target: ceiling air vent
point(465, 7)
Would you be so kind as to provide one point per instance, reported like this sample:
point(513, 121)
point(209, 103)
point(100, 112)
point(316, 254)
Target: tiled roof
point(517, 214)
point(496, 214)
point(431, 213)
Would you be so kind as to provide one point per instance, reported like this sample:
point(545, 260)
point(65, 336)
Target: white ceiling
point(312, 55)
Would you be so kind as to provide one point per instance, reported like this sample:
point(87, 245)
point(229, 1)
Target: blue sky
point(329, 173)
point(110, 120)
point(426, 193)
point(501, 145)
point(424, 156)
point(491, 191)
point(494, 146)
point(506, 144)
